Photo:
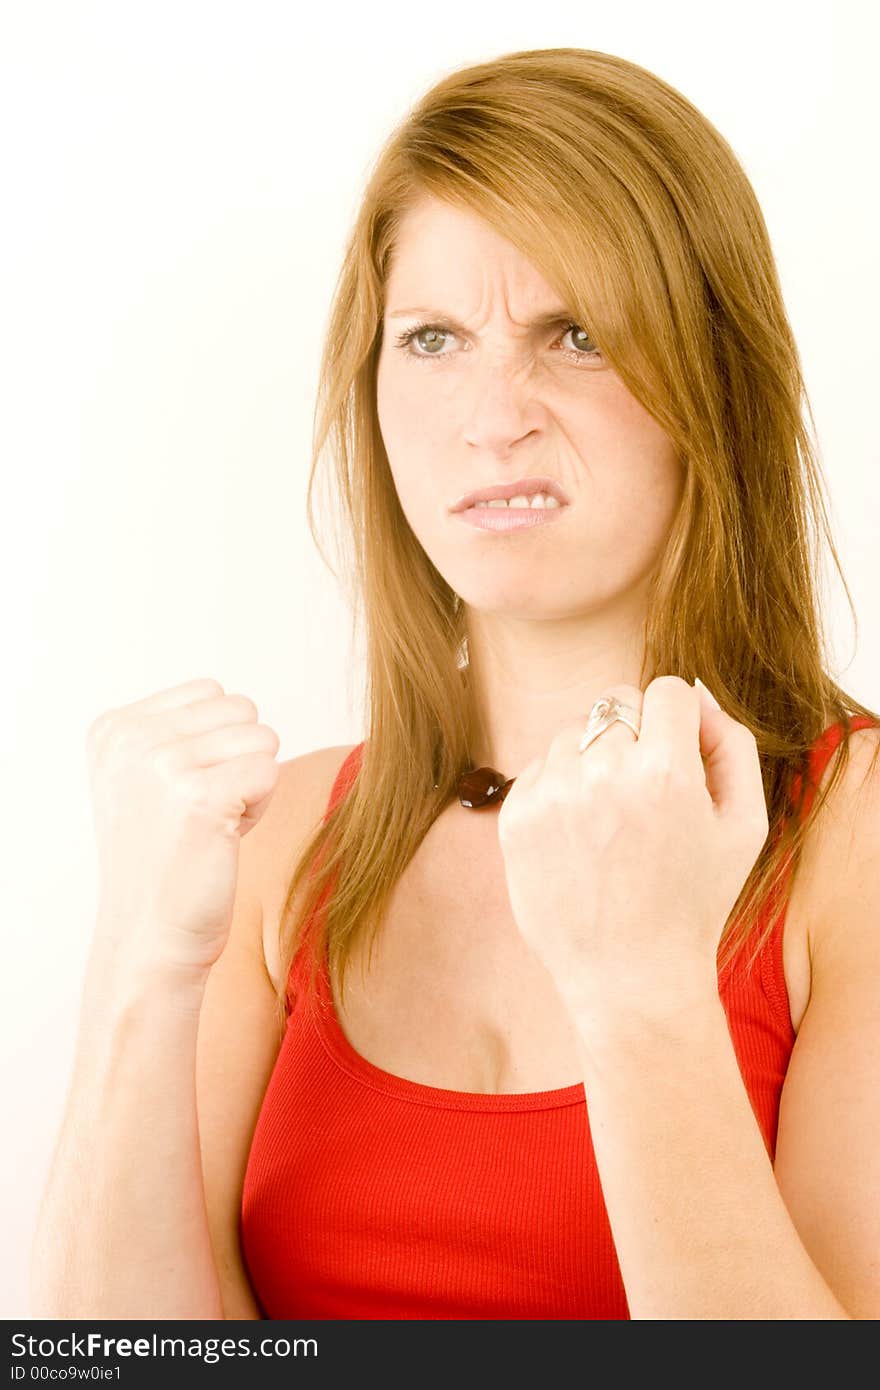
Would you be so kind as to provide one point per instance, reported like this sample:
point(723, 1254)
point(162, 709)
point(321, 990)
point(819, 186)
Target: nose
point(503, 409)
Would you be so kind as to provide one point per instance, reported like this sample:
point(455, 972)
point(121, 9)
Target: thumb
point(730, 762)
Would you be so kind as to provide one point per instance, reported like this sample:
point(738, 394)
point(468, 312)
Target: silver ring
point(605, 712)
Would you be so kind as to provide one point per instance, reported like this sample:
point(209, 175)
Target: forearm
point(122, 1230)
point(699, 1224)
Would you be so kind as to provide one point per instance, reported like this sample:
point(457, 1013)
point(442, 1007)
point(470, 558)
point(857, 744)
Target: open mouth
point(519, 512)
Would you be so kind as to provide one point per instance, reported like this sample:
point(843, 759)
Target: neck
point(522, 695)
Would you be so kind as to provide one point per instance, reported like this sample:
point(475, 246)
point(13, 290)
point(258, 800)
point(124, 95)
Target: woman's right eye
point(406, 337)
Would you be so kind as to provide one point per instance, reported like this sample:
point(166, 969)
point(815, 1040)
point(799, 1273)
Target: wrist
point(650, 1020)
point(641, 1033)
point(133, 976)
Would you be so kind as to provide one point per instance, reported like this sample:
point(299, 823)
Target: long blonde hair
point(638, 213)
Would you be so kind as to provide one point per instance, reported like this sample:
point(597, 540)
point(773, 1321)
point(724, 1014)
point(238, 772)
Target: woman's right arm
point(177, 780)
point(122, 1230)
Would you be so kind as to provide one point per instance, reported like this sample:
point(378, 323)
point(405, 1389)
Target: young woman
point(499, 1018)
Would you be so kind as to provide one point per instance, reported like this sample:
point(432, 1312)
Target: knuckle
point(185, 718)
point(117, 733)
point(104, 721)
point(246, 704)
point(270, 736)
point(95, 730)
point(672, 682)
point(167, 760)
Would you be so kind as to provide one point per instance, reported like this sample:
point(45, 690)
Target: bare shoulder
point(294, 813)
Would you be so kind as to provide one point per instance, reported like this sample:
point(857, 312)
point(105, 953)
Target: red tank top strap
point(342, 784)
point(819, 757)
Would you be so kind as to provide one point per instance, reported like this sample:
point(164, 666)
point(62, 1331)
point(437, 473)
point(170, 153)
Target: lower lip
point(509, 518)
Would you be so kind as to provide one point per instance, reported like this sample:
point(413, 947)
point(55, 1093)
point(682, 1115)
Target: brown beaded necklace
point(483, 786)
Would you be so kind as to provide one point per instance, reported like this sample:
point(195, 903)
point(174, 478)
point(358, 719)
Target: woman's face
point(480, 397)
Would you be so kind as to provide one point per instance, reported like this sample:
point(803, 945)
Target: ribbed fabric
point(370, 1196)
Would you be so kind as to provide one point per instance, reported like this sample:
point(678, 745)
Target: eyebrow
point(542, 321)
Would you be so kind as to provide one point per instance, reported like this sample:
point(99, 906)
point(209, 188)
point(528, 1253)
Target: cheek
point(631, 490)
point(638, 506)
point(411, 425)
point(636, 481)
point(407, 404)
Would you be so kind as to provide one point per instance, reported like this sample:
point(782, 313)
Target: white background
point(178, 180)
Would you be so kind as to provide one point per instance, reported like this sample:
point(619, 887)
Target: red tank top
point(367, 1195)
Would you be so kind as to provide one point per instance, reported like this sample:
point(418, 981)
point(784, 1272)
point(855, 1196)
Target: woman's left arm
point(704, 1225)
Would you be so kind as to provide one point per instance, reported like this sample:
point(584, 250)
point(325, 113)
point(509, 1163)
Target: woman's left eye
point(437, 331)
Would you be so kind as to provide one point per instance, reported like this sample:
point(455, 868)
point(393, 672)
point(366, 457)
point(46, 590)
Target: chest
point(450, 996)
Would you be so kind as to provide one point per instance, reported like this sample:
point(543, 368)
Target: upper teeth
point(540, 499)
